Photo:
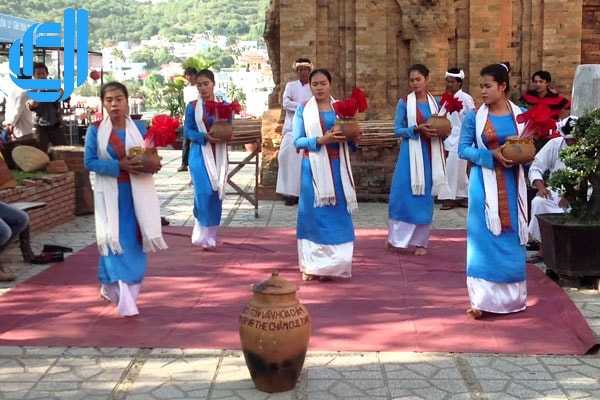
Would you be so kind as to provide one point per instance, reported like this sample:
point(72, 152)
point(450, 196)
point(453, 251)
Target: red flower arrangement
point(347, 109)
point(451, 103)
point(538, 121)
point(162, 131)
point(225, 111)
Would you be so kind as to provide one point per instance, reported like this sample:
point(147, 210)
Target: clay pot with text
point(274, 331)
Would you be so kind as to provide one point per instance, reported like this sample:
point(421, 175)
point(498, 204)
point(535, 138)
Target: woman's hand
point(506, 163)
point(131, 165)
point(212, 139)
point(329, 137)
point(426, 130)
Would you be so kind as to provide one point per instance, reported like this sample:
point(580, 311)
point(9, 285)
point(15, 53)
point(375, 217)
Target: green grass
point(20, 176)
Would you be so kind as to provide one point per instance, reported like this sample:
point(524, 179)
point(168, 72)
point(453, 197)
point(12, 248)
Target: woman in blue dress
point(126, 206)
point(420, 168)
point(497, 214)
point(207, 163)
point(327, 196)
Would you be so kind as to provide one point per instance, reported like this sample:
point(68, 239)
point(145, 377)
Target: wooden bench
point(24, 237)
point(246, 131)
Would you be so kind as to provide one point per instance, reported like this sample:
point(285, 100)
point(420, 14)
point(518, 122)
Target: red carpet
point(192, 299)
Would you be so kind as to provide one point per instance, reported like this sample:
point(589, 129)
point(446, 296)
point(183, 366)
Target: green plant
point(198, 63)
point(582, 160)
point(173, 96)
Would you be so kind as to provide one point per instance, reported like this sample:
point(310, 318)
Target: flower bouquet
point(346, 110)
point(440, 122)
point(222, 127)
point(539, 124)
point(162, 132)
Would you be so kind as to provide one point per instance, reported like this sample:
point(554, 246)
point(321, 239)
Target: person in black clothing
point(47, 116)
point(190, 93)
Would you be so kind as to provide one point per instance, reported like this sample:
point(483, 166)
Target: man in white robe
point(456, 168)
point(18, 119)
point(548, 201)
point(296, 93)
point(190, 93)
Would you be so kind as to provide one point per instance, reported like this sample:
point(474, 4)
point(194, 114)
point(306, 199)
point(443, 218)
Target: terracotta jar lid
point(275, 285)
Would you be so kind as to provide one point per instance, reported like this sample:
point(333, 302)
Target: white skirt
point(499, 298)
point(325, 259)
point(288, 172)
point(458, 182)
point(402, 234)
point(123, 295)
point(204, 236)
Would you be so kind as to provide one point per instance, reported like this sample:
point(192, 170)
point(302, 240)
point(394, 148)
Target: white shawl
point(216, 168)
point(106, 198)
point(438, 159)
point(492, 216)
point(321, 167)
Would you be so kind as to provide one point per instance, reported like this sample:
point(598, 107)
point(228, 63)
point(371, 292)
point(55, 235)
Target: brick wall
point(590, 44)
point(57, 191)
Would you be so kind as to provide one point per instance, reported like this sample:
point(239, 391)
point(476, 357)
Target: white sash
point(492, 215)
point(321, 167)
point(216, 168)
point(106, 198)
point(438, 159)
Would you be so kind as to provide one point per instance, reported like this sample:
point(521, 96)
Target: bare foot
point(421, 251)
point(308, 277)
point(474, 313)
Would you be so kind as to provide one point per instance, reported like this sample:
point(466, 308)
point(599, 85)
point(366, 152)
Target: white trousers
point(458, 182)
point(204, 236)
point(541, 205)
point(402, 234)
point(288, 172)
point(325, 259)
point(123, 295)
point(499, 298)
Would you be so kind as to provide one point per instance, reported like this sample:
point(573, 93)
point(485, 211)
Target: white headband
point(505, 66)
point(302, 64)
point(460, 75)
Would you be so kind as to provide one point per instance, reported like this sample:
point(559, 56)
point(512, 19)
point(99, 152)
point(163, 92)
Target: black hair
point(420, 68)
point(303, 60)
point(455, 71)
point(544, 75)
point(113, 86)
point(207, 73)
point(500, 73)
point(41, 65)
point(190, 71)
point(320, 71)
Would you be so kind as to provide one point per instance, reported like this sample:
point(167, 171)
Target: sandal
point(48, 257)
point(53, 248)
point(307, 277)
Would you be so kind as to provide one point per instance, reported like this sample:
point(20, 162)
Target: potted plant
point(571, 240)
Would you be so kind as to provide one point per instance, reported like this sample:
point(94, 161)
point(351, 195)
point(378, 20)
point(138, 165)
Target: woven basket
point(30, 159)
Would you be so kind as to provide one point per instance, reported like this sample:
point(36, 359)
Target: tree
point(236, 93)
point(153, 57)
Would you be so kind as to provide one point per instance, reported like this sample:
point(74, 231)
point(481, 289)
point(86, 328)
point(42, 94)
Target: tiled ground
point(140, 374)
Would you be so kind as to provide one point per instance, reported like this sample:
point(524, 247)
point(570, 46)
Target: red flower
point(451, 103)
point(360, 98)
point(226, 110)
point(210, 106)
point(538, 121)
point(345, 108)
point(162, 131)
point(95, 75)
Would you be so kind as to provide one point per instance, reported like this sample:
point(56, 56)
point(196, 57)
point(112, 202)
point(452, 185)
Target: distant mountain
point(117, 20)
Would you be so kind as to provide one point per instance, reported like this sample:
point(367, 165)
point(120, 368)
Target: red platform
point(192, 299)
